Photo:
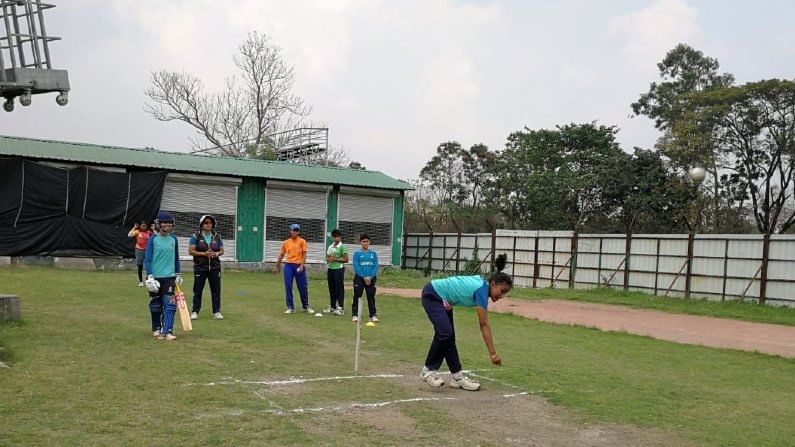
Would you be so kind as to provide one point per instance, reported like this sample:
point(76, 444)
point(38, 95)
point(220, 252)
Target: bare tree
point(258, 103)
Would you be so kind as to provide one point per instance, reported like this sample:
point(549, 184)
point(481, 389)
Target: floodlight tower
point(25, 64)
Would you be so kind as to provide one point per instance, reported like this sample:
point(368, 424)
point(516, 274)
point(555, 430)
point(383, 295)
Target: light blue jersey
point(162, 256)
point(365, 263)
point(465, 291)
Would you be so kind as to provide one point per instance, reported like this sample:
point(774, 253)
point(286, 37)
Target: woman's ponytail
point(498, 277)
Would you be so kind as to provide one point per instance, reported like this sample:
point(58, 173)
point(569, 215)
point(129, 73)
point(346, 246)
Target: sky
point(393, 79)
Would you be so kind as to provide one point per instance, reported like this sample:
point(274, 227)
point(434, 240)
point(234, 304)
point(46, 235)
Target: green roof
point(203, 164)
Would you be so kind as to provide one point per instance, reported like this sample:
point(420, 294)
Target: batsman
point(161, 262)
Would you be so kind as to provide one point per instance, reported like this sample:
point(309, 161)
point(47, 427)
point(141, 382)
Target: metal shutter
point(296, 206)
point(366, 214)
point(189, 201)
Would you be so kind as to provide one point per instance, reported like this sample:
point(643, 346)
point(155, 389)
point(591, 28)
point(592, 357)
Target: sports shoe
point(355, 319)
point(339, 312)
point(465, 383)
point(432, 378)
point(169, 337)
point(156, 333)
point(140, 284)
point(218, 316)
point(374, 318)
point(309, 310)
point(194, 315)
point(289, 311)
point(328, 310)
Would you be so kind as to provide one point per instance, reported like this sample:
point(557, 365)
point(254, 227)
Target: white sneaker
point(374, 318)
point(218, 316)
point(339, 312)
point(432, 378)
point(194, 315)
point(465, 383)
point(328, 310)
point(289, 311)
point(156, 333)
point(309, 310)
point(355, 319)
point(169, 337)
point(140, 284)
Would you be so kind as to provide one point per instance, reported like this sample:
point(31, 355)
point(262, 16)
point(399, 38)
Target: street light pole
point(697, 174)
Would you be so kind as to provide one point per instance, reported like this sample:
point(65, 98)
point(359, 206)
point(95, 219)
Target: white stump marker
point(358, 337)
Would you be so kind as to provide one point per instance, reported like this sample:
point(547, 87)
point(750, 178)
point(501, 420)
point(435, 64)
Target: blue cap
point(165, 216)
point(295, 227)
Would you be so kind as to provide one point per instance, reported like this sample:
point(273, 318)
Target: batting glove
point(179, 279)
point(152, 284)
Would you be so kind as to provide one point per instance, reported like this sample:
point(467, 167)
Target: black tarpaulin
point(47, 211)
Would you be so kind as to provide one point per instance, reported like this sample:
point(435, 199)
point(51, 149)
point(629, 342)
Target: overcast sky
point(392, 79)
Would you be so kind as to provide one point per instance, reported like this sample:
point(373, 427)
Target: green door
point(250, 220)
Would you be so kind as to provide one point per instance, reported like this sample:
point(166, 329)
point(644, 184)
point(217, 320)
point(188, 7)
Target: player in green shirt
point(336, 256)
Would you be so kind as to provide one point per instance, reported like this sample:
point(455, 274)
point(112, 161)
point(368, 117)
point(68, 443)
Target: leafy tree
point(753, 128)
point(258, 103)
point(644, 194)
point(445, 173)
point(555, 179)
point(685, 71)
point(477, 166)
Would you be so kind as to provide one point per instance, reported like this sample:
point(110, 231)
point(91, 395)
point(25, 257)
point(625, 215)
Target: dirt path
point(690, 329)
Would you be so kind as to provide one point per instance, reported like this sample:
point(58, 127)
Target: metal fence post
point(444, 253)
point(535, 261)
point(493, 247)
point(689, 272)
point(552, 270)
point(575, 240)
point(627, 252)
point(657, 267)
point(725, 268)
point(513, 258)
point(457, 252)
point(430, 252)
point(599, 264)
point(403, 257)
point(763, 272)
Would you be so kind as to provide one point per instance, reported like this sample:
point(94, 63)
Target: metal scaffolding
point(25, 62)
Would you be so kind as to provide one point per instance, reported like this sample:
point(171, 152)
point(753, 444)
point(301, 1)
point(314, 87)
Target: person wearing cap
point(294, 249)
point(161, 262)
point(206, 247)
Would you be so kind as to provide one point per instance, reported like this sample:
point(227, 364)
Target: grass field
point(84, 369)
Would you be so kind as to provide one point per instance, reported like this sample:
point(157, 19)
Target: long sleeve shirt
point(365, 263)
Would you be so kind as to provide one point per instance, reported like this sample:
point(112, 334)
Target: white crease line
point(497, 381)
point(355, 406)
point(295, 381)
point(515, 394)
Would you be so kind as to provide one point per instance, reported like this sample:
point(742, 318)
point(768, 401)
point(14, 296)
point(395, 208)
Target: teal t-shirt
point(164, 256)
point(338, 252)
point(466, 291)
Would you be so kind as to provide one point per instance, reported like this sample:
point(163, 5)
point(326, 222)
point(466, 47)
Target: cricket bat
point(182, 308)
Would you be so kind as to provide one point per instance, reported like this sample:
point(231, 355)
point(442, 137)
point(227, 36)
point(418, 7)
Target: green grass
point(84, 369)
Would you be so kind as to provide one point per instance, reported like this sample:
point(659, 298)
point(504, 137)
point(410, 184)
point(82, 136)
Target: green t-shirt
point(338, 251)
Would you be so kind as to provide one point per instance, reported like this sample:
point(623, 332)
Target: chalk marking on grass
point(296, 381)
point(523, 393)
point(355, 405)
point(3, 365)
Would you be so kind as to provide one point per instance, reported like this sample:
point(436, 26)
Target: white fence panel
point(723, 266)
